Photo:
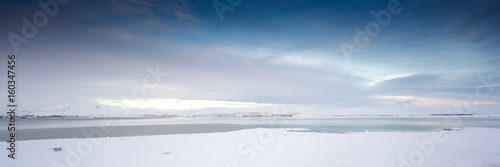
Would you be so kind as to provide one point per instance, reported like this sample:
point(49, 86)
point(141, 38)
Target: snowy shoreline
point(268, 147)
point(255, 115)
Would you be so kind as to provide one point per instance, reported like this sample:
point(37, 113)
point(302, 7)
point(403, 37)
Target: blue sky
point(428, 58)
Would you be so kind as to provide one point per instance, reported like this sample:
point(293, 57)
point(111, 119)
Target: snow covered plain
point(478, 147)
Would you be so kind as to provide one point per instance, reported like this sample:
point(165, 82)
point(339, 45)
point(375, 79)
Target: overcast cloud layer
point(428, 58)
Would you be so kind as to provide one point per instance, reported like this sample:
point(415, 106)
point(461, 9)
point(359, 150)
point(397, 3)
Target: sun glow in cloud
point(176, 104)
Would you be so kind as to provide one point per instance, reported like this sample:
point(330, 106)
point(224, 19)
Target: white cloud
point(422, 102)
point(177, 104)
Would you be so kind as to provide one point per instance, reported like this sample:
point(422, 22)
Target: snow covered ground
point(478, 147)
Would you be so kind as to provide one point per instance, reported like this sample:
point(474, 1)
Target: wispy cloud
point(182, 9)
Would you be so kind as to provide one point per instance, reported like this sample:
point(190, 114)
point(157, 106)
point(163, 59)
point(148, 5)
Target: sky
point(333, 57)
